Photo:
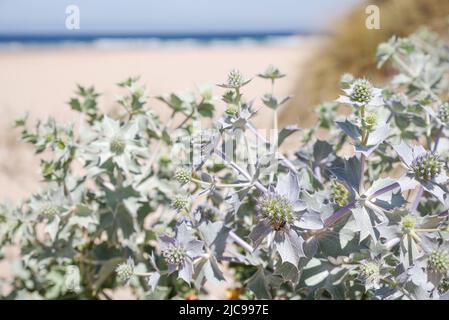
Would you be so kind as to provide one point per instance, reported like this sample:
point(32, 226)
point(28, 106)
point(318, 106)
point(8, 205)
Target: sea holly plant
point(167, 209)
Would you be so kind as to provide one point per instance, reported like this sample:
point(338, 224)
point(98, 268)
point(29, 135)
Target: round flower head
point(180, 202)
point(438, 261)
point(272, 73)
point(370, 270)
point(125, 271)
point(408, 223)
point(174, 255)
point(49, 209)
point(362, 91)
point(443, 113)
point(182, 175)
point(424, 168)
point(340, 195)
point(180, 251)
point(427, 166)
point(277, 211)
point(444, 286)
point(371, 121)
point(231, 110)
point(117, 144)
point(235, 79)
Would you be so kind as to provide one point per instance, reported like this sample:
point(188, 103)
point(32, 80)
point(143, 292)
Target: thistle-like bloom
point(272, 73)
point(441, 115)
point(277, 213)
point(362, 93)
point(49, 209)
point(438, 261)
point(370, 274)
point(179, 252)
point(424, 168)
point(231, 110)
point(435, 261)
point(125, 270)
point(50, 204)
point(180, 202)
point(236, 80)
point(408, 224)
point(116, 143)
point(371, 121)
point(277, 210)
point(412, 232)
point(183, 175)
point(340, 194)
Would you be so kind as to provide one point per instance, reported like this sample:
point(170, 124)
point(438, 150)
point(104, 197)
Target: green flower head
point(408, 223)
point(117, 144)
point(235, 79)
point(370, 270)
point(362, 91)
point(272, 73)
point(443, 113)
point(371, 121)
point(180, 202)
point(231, 110)
point(174, 255)
point(340, 195)
point(183, 175)
point(427, 166)
point(438, 261)
point(125, 270)
point(49, 209)
point(277, 210)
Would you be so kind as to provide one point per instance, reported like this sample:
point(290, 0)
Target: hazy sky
point(169, 16)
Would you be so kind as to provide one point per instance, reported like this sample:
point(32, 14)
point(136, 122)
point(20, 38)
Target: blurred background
point(176, 45)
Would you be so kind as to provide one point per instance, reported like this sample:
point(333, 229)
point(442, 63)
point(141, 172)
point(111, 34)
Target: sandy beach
point(41, 80)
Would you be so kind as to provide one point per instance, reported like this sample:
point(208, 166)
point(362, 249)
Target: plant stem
point(221, 185)
point(427, 230)
point(415, 203)
point(232, 234)
point(236, 167)
point(283, 158)
point(362, 173)
point(365, 134)
point(437, 139)
point(340, 213)
point(384, 190)
point(241, 242)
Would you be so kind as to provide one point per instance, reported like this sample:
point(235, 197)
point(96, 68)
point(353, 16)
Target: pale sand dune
point(42, 80)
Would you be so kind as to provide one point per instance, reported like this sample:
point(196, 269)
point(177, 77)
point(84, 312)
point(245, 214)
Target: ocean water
point(151, 40)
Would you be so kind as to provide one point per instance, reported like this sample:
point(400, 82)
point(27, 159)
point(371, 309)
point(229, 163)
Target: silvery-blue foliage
point(166, 209)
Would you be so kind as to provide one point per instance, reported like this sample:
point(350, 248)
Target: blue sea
point(150, 40)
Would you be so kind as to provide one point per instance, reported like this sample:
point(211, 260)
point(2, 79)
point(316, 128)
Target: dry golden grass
point(352, 49)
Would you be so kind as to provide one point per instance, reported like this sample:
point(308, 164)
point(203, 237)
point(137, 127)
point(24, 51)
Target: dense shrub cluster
point(167, 208)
